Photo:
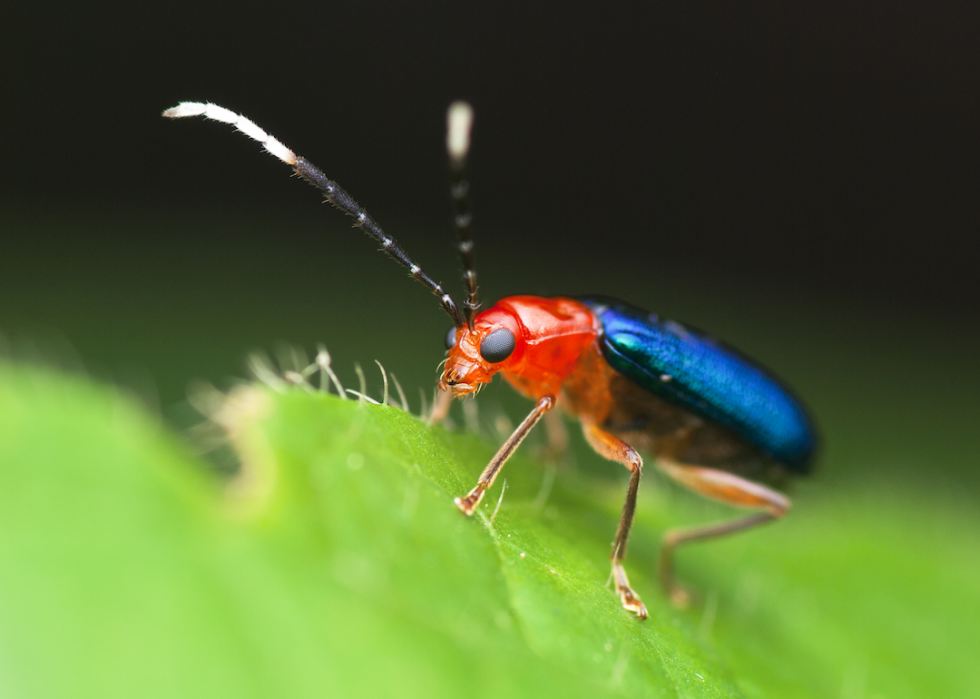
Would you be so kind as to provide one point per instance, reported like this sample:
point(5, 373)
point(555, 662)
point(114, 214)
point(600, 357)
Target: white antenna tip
point(226, 116)
point(459, 121)
point(186, 109)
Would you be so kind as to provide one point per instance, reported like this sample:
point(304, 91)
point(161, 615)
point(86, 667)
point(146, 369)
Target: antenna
point(459, 122)
point(333, 192)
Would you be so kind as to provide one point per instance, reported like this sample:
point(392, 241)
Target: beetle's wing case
point(705, 378)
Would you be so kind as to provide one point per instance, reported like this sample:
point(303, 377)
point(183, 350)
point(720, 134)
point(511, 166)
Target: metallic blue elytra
point(706, 378)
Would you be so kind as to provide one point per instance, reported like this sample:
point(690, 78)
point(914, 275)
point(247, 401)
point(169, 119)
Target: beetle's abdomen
point(705, 378)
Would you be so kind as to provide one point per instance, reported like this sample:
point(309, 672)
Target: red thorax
point(551, 337)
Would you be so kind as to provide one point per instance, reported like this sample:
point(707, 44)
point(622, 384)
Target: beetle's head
point(496, 342)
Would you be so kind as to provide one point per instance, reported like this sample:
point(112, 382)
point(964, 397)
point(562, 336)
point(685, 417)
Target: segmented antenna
point(459, 121)
point(334, 193)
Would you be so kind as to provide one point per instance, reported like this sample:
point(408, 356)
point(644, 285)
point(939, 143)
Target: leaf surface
point(336, 564)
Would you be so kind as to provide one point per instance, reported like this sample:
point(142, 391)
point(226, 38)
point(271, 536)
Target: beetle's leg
point(557, 436)
point(440, 406)
point(468, 504)
point(615, 449)
point(554, 453)
point(723, 487)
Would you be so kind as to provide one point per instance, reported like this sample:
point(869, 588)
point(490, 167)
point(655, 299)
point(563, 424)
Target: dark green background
point(799, 181)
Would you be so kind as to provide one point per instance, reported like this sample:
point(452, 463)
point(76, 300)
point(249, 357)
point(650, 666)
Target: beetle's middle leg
point(557, 446)
point(615, 449)
point(723, 487)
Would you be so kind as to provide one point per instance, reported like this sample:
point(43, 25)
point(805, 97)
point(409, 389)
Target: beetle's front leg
point(469, 503)
point(440, 406)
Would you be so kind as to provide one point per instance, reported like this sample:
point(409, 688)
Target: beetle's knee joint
point(780, 510)
point(779, 505)
point(634, 463)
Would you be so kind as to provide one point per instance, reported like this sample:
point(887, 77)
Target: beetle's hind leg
point(723, 487)
point(615, 449)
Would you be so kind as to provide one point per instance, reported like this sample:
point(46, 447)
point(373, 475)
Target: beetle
point(716, 422)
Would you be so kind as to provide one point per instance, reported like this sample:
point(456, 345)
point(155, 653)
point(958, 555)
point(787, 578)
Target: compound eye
point(498, 345)
point(451, 338)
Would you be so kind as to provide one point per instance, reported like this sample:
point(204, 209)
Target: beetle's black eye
point(451, 338)
point(498, 345)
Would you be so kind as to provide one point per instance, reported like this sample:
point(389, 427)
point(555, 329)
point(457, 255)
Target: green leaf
point(335, 564)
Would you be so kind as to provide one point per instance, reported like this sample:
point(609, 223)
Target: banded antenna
point(459, 122)
point(333, 192)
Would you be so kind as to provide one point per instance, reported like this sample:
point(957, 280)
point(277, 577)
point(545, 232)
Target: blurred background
point(801, 181)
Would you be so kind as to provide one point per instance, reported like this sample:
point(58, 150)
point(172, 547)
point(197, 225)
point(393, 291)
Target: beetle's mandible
point(715, 422)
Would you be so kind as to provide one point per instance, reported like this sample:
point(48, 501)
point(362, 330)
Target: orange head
point(497, 341)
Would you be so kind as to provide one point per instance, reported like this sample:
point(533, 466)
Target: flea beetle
point(716, 422)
